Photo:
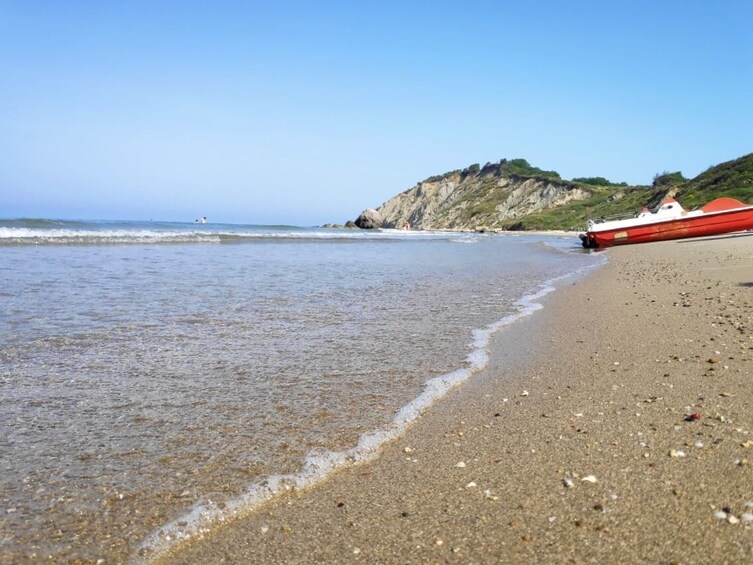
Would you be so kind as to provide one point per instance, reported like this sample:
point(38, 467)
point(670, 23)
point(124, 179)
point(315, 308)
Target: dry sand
point(627, 437)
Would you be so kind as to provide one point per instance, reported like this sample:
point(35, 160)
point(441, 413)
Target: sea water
point(157, 378)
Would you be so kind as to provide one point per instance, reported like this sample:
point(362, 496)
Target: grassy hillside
point(733, 178)
point(605, 201)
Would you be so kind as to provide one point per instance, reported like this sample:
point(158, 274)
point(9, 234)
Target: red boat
point(670, 221)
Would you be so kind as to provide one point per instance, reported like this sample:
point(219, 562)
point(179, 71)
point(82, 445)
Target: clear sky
point(305, 112)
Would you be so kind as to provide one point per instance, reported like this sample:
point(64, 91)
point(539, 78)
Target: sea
point(159, 378)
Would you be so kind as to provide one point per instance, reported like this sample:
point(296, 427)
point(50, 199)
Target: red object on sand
point(671, 221)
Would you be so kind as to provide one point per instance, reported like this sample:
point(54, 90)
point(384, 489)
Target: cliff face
point(469, 199)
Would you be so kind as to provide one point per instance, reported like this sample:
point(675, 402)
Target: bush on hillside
point(595, 181)
point(667, 180)
point(522, 168)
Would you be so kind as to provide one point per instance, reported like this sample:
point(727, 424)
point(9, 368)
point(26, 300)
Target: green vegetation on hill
point(598, 181)
point(604, 202)
point(733, 178)
point(505, 168)
point(521, 168)
point(668, 180)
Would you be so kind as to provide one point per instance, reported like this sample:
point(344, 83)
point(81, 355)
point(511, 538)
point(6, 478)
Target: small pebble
point(568, 482)
point(747, 517)
point(589, 479)
point(677, 453)
point(408, 450)
point(264, 529)
point(471, 485)
point(721, 514)
point(460, 464)
point(732, 519)
point(439, 542)
point(524, 393)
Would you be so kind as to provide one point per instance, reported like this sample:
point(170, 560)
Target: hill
point(515, 195)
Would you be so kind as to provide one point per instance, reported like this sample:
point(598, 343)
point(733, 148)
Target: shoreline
point(583, 451)
point(318, 467)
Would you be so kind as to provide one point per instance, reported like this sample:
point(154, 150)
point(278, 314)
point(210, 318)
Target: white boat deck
point(667, 211)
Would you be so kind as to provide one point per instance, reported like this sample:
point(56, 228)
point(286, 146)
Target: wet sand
point(626, 436)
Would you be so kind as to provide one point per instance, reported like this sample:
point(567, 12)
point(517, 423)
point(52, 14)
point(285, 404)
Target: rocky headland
point(514, 195)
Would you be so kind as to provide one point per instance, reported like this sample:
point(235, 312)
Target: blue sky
point(308, 112)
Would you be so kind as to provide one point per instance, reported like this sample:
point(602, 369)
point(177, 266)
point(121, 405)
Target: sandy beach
point(614, 425)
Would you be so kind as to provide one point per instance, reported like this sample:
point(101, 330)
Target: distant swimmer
point(203, 220)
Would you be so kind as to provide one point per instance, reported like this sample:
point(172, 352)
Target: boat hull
point(714, 223)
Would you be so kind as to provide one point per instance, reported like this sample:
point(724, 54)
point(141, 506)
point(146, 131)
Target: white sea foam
point(318, 465)
point(67, 236)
